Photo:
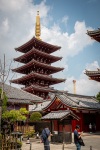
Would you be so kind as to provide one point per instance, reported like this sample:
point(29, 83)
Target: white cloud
point(4, 27)
point(65, 20)
point(84, 86)
point(93, 66)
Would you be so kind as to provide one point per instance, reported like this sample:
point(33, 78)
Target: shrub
point(30, 133)
point(35, 116)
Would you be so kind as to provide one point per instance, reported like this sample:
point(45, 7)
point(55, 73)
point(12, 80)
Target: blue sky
point(63, 23)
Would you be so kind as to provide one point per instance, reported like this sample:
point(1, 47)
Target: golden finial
point(37, 26)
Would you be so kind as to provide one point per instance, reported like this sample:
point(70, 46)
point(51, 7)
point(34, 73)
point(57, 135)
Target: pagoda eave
point(33, 88)
point(23, 69)
point(34, 42)
point(34, 52)
point(28, 78)
point(95, 79)
point(94, 34)
point(93, 75)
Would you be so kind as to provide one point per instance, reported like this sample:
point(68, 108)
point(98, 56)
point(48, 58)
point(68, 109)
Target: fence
point(10, 142)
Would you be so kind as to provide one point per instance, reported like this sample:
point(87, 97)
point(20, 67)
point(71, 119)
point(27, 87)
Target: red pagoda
point(94, 75)
point(37, 68)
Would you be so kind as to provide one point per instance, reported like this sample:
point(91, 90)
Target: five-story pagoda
point(37, 68)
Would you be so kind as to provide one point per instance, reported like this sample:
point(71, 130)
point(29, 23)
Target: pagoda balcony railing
point(41, 73)
point(43, 61)
point(45, 86)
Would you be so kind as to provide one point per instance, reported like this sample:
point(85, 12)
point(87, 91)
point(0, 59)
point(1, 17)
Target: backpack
point(44, 136)
point(80, 140)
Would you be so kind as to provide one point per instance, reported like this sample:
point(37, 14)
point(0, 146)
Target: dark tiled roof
point(16, 101)
point(76, 101)
point(15, 94)
point(60, 115)
point(83, 101)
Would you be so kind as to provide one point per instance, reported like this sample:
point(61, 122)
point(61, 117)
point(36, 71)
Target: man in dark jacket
point(77, 136)
point(45, 135)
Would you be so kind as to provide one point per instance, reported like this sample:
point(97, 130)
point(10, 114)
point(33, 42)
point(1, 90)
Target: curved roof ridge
point(36, 62)
point(34, 50)
point(37, 74)
point(33, 40)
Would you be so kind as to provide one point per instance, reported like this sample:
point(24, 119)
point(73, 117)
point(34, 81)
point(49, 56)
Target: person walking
point(77, 136)
point(45, 134)
point(90, 128)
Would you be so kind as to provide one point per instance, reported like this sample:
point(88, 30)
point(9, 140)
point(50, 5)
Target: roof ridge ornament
point(37, 27)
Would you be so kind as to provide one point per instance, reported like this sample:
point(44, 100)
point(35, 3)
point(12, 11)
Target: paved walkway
point(89, 140)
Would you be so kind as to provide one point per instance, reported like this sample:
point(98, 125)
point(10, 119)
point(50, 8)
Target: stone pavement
point(89, 140)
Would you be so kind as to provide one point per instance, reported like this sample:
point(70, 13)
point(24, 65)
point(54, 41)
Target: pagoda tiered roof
point(36, 76)
point(94, 34)
point(38, 88)
point(93, 75)
point(38, 44)
point(35, 53)
point(27, 68)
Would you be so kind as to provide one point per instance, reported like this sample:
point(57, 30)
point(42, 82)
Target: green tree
point(15, 115)
point(35, 116)
point(98, 96)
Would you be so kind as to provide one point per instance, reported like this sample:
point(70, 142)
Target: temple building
point(94, 34)
point(86, 108)
point(37, 68)
point(94, 75)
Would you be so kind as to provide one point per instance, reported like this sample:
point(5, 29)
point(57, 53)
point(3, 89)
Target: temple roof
point(74, 101)
point(38, 88)
point(34, 75)
point(34, 63)
point(33, 53)
point(16, 95)
point(94, 34)
point(94, 75)
point(38, 44)
point(60, 115)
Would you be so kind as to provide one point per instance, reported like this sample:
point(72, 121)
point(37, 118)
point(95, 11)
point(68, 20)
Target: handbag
point(80, 140)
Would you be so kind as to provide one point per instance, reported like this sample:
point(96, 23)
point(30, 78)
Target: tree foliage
point(35, 116)
point(98, 96)
point(15, 115)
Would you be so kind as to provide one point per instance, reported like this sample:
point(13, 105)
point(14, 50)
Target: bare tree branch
point(8, 72)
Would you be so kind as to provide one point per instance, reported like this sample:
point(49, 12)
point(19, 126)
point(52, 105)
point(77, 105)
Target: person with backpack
point(44, 137)
point(77, 138)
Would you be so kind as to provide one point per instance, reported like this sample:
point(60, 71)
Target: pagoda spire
point(37, 26)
